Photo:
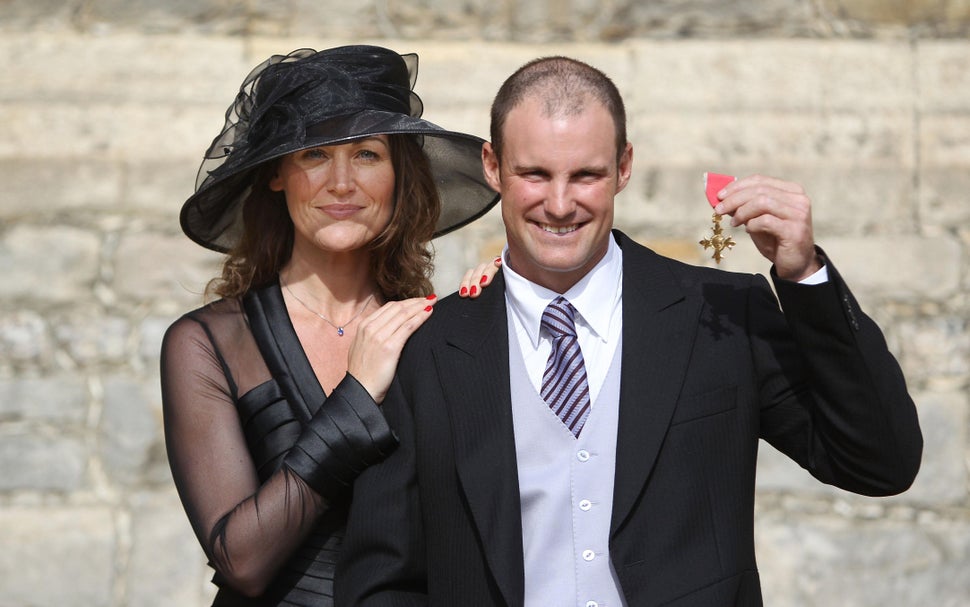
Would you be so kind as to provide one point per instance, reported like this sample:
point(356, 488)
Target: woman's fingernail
point(483, 279)
point(463, 291)
point(719, 209)
point(428, 308)
point(473, 290)
point(432, 296)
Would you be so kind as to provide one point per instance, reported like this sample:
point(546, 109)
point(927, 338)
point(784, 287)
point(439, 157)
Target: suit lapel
point(473, 366)
point(658, 329)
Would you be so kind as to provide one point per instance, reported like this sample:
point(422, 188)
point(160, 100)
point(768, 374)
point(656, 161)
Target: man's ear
point(625, 168)
point(490, 164)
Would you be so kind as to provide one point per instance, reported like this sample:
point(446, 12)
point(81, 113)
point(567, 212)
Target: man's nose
point(559, 200)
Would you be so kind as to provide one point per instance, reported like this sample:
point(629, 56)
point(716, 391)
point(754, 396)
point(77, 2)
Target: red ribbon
point(714, 183)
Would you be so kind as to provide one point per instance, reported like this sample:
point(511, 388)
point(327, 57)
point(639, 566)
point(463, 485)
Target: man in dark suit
point(619, 471)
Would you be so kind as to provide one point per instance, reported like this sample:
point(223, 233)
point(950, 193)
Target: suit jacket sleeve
point(851, 421)
point(382, 561)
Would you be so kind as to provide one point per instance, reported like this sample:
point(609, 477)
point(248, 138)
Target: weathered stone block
point(806, 562)
point(360, 20)
point(40, 461)
point(767, 139)
point(161, 187)
point(182, 277)
point(944, 75)
point(35, 15)
point(934, 349)
point(57, 263)
point(942, 478)
point(166, 565)
point(900, 12)
point(443, 20)
point(710, 19)
point(904, 267)
point(152, 17)
point(98, 130)
point(131, 428)
point(151, 331)
point(60, 399)
point(944, 175)
point(24, 338)
point(813, 76)
point(89, 339)
point(124, 67)
point(62, 556)
point(47, 187)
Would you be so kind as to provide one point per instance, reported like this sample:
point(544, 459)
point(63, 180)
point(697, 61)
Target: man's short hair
point(564, 86)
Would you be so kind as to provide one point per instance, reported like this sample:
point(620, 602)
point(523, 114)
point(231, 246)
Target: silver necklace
point(339, 328)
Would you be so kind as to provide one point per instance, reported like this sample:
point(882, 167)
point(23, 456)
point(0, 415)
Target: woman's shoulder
point(219, 310)
point(219, 317)
point(218, 338)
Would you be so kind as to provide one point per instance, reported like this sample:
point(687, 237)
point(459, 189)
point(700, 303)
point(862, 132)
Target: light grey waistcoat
point(566, 490)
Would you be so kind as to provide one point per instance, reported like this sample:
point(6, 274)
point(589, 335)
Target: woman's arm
point(247, 529)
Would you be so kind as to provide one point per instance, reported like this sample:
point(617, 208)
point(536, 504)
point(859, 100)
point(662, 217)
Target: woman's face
point(340, 197)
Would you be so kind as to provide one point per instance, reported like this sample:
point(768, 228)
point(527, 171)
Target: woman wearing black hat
point(324, 189)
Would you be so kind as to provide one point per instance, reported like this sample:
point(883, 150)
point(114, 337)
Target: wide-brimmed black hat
point(310, 98)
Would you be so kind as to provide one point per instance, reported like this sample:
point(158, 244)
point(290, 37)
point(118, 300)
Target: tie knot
point(558, 318)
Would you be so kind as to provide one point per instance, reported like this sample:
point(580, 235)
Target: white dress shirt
point(597, 299)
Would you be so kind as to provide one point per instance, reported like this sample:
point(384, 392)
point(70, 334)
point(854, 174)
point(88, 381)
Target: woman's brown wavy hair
point(401, 258)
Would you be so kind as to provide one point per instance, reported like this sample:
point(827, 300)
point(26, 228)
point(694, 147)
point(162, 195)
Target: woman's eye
point(313, 153)
point(369, 155)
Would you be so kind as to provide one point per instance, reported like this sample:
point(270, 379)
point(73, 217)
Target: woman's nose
point(341, 176)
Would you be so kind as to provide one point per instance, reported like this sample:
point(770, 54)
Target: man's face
point(557, 176)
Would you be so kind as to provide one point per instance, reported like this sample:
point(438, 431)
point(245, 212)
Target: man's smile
point(559, 229)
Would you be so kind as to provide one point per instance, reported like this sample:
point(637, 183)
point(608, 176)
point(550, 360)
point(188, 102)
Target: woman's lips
point(340, 211)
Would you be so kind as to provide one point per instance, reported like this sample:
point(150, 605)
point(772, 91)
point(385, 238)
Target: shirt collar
point(594, 297)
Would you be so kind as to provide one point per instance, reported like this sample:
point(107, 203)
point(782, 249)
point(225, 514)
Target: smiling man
point(586, 432)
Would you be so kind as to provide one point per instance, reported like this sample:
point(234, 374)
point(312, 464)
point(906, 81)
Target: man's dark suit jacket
point(709, 366)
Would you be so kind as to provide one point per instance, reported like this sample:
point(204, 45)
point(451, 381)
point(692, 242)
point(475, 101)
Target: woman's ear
point(276, 182)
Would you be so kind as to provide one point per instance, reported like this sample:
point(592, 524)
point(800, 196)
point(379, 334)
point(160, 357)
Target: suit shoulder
point(643, 261)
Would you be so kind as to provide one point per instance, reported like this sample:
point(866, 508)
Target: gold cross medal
point(713, 183)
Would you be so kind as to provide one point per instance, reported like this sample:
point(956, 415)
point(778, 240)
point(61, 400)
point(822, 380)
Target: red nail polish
point(482, 281)
point(428, 308)
point(432, 296)
point(474, 290)
point(463, 291)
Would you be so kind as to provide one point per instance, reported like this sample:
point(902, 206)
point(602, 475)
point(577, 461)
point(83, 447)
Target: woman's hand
point(479, 277)
point(380, 337)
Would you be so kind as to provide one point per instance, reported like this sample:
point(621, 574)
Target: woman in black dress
point(324, 190)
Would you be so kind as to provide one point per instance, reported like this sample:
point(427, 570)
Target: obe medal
point(713, 183)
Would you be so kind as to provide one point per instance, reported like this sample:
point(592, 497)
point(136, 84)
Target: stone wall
point(106, 106)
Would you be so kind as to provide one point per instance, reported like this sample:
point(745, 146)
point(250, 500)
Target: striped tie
point(564, 385)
